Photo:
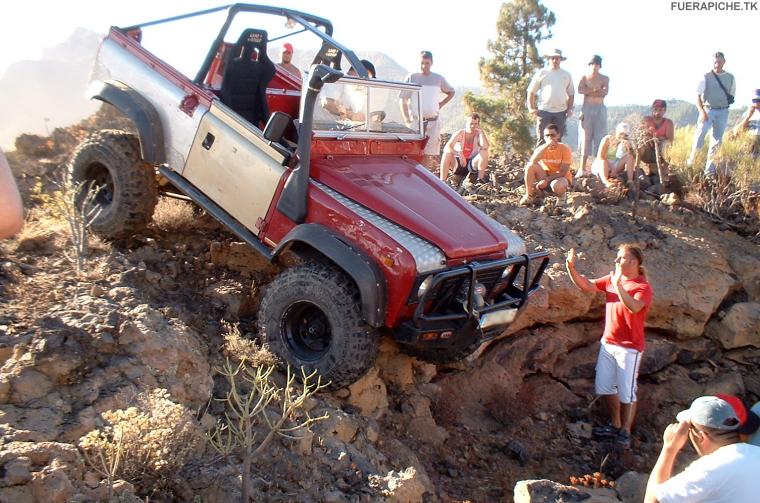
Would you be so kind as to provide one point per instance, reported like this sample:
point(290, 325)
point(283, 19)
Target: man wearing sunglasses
point(727, 470)
point(548, 168)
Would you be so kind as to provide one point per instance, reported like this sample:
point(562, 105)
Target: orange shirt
point(622, 327)
point(554, 156)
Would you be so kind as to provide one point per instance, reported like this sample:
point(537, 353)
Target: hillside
point(150, 312)
point(38, 96)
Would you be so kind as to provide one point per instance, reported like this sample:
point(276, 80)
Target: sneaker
point(606, 431)
point(623, 439)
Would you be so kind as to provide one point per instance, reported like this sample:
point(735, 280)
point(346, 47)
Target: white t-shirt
point(553, 88)
point(433, 85)
point(729, 475)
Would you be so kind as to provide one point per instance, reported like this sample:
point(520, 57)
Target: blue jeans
point(716, 119)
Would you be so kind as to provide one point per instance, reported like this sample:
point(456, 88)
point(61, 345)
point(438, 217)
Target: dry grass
point(174, 215)
point(244, 349)
point(40, 231)
point(145, 444)
point(732, 198)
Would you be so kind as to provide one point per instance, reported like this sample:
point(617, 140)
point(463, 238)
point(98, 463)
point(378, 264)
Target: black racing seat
point(246, 76)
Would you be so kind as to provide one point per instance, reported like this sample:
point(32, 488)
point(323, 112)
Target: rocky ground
point(148, 314)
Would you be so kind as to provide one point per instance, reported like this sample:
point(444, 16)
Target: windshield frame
point(365, 133)
point(329, 53)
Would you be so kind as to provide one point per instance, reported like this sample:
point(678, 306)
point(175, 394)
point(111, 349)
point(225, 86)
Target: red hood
point(409, 195)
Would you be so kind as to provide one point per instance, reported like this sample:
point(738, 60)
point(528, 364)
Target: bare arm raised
point(577, 278)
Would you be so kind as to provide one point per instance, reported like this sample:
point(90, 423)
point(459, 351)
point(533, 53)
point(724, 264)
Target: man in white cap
point(550, 96)
point(727, 469)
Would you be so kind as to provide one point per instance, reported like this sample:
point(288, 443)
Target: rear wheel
point(310, 316)
point(128, 193)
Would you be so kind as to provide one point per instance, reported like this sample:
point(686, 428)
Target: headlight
point(424, 286)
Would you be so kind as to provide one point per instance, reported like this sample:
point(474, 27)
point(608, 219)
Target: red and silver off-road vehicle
point(384, 246)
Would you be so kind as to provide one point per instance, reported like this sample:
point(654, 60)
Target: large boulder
point(739, 327)
point(546, 491)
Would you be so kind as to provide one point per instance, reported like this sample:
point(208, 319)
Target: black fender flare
point(142, 113)
point(365, 273)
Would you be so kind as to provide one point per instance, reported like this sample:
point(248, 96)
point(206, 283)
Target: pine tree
point(521, 26)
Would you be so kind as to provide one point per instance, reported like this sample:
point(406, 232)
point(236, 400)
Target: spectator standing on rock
point(727, 469)
point(628, 297)
point(750, 121)
point(433, 86)
point(550, 96)
point(548, 168)
point(658, 135)
point(715, 93)
point(285, 60)
point(466, 153)
point(593, 119)
point(615, 157)
point(11, 210)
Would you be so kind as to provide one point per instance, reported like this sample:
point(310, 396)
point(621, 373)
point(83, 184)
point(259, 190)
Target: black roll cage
point(329, 54)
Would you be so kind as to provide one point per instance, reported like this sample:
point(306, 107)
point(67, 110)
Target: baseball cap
point(712, 412)
point(719, 54)
point(287, 47)
point(756, 97)
point(426, 54)
point(623, 128)
point(595, 60)
point(749, 422)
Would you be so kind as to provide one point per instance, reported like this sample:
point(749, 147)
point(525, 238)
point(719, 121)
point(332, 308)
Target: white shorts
point(617, 371)
point(433, 131)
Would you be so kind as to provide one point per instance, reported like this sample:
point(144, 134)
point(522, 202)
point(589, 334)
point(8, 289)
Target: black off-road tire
point(310, 317)
point(111, 158)
point(439, 356)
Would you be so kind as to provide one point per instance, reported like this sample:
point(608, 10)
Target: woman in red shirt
point(628, 297)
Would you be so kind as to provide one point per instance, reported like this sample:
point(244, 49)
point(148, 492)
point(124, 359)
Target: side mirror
point(276, 126)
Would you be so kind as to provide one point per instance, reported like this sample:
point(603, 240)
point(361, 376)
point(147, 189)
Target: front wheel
point(310, 316)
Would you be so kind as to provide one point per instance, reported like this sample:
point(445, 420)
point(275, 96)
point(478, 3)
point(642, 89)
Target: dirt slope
point(147, 313)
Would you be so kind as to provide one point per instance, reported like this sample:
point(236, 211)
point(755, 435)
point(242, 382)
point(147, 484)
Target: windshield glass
point(343, 107)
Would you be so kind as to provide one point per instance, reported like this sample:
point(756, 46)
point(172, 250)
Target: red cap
point(287, 47)
point(736, 404)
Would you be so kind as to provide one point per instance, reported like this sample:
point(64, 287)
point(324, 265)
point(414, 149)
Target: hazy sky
point(650, 48)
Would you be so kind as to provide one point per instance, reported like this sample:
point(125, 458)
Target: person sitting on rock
point(727, 469)
point(615, 157)
point(628, 297)
point(548, 168)
point(466, 153)
point(658, 135)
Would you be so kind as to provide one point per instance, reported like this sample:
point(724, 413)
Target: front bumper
point(450, 312)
